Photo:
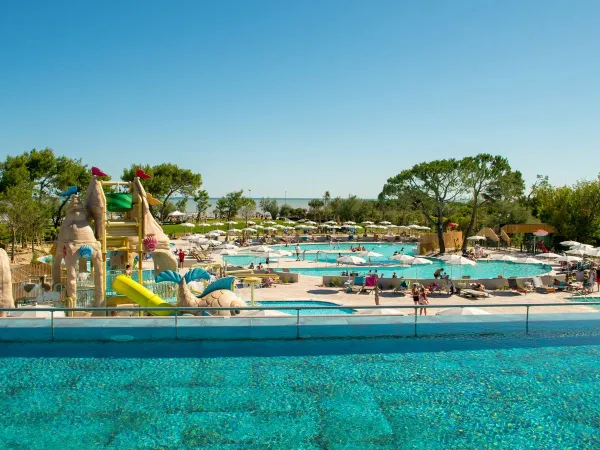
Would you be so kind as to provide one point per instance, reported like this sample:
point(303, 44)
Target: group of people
point(419, 295)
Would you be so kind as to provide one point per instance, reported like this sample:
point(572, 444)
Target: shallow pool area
point(305, 303)
point(483, 269)
point(375, 394)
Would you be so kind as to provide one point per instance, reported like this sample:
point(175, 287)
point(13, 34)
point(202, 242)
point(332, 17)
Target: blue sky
point(303, 96)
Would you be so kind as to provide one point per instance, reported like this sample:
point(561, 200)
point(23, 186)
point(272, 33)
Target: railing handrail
point(296, 308)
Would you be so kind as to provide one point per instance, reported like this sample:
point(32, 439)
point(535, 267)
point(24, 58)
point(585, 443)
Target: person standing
point(415, 293)
point(423, 300)
point(181, 258)
point(297, 252)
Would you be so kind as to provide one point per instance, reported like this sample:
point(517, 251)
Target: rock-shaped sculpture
point(161, 255)
point(6, 295)
point(223, 298)
point(76, 232)
point(95, 205)
point(218, 294)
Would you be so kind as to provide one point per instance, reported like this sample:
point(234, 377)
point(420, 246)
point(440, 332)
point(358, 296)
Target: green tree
point(326, 198)
point(230, 205)
point(202, 202)
point(247, 209)
point(167, 180)
point(315, 208)
point(488, 178)
point(573, 210)
point(16, 205)
point(285, 210)
point(269, 205)
point(47, 173)
point(432, 188)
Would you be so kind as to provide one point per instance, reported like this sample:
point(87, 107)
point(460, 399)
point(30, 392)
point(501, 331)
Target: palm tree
point(326, 198)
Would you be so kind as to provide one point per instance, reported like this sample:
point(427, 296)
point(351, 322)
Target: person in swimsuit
point(415, 293)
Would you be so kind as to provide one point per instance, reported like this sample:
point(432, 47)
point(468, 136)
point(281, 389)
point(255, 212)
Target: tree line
point(475, 191)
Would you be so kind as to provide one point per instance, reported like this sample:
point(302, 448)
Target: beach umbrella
point(385, 222)
point(569, 243)
point(448, 257)
point(227, 246)
point(367, 222)
point(351, 259)
point(257, 227)
point(188, 225)
point(212, 242)
point(300, 227)
point(176, 214)
point(261, 249)
point(251, 223)
point(370, 254)
point(269, 222)
point(577, 252)
point(406, 259)
point(540, 233)
point(310, 222)
point(218, 224)
point(225, 252)
point(462, 312)
point(204, 224)
point(249, 230)
point(452, 224)
point(234, 230)
point(460, 261)
point(270, 229)
point(349, 222)
point(424, 228)
point(231, 222)
point(548, 255)
point(217, 232)
point(476, 238)
point(414, 227)
point(416, 261)
point(568, 258)
point(281, 253)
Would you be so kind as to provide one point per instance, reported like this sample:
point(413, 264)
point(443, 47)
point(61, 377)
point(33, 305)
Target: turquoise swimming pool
point(484, 269)
point(328, 252)
point(308, 312)
point(368, 394)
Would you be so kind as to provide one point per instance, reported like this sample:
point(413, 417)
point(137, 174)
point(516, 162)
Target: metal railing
point(179, 311)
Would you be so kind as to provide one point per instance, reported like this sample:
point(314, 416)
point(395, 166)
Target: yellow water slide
point(137, 293)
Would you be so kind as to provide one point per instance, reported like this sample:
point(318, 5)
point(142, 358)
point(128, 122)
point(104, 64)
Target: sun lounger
point(369, 286)
point(514, 284)
point(539, 286)
point(472, 293)
point(359, 283)
point(404, 285)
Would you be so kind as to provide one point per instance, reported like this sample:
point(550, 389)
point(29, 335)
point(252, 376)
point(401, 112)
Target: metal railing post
point(298, 323)
point(52, 323)
point(416, 320)
point(176, 328)
point(527, 321)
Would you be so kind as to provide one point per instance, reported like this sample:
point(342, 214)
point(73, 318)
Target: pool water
point(484, 269)
point(308, 312)
point(343, 248)
point(399, 394)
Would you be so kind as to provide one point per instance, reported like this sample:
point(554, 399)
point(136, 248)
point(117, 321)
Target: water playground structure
point(104, 232)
